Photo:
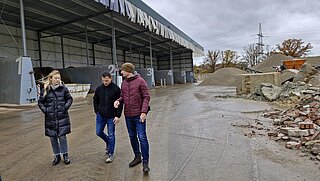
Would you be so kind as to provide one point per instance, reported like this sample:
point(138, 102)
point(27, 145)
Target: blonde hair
point(47, 81)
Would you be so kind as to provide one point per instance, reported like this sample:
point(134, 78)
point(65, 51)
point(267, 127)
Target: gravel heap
point(223, 76)
point(268, 64)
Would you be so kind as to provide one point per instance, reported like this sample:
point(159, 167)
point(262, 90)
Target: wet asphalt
point(192, 136)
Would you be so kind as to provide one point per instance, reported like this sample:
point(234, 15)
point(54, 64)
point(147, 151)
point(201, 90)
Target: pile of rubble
point(305, 84)
point(299, 126)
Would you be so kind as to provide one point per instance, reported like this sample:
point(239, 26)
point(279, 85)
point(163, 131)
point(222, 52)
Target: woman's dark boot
point(66, 159)
point(57, 159)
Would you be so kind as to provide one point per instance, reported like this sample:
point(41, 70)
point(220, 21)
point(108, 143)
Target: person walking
point(135, 96)
point(106, 113)
point(55, 101)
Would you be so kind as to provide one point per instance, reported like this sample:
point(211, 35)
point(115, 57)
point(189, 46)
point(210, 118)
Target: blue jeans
point(110, 138)
point(136, 128)
point(59, 145)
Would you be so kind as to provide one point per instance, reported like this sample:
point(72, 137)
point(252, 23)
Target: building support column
point(151, 62)
point(23, 29)
point(87, 49)
point(39, 49)
point(93, 55)
point(171, 66)
point(114, 49)
point(62, 52)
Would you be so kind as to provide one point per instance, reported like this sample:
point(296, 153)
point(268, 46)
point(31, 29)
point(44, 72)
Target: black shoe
point(57, 159)
point(145, 166)
point(135, 161)
point(66, 159)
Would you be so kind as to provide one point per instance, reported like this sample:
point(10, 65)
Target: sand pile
point(268, 64)
point(223, 76)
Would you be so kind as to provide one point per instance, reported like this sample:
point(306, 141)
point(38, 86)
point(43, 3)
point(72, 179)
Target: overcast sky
point(233, 24)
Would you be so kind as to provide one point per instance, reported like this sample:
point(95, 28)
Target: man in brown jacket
point(135, 96)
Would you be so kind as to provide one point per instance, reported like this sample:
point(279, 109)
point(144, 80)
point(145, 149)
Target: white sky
point(233, 24)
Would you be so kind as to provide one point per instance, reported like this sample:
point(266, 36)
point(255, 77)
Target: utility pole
point(260, 43)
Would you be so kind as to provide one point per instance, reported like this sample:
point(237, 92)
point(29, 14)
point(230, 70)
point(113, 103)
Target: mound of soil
point(223, 76)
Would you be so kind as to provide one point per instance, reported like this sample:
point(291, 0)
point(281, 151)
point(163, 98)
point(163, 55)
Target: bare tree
point(212, 58)
point(251, 55)
point(294, 48)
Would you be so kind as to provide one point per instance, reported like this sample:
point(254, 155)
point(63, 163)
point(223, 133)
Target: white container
point(78, 90)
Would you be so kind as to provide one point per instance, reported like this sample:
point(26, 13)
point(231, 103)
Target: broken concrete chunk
point(316, 149)
point(285, 138)
point(271, 93)
point(298, 132)
point(293, 145)
point(272, 133)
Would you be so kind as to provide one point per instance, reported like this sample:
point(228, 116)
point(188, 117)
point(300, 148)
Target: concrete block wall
point(17, 85)
point(246, 83)
point(146, 75)
point(162, 74)
point(9, 84)
point(180, 77)
point(190, 76)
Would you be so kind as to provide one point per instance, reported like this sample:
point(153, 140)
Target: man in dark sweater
point(106, 114)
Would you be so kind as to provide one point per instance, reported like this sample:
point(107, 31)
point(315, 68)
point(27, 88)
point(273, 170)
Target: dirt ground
point(191, 134)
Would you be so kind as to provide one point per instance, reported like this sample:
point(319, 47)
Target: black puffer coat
point(55, 106)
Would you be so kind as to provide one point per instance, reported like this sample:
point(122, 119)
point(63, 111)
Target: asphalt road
point(195, 133)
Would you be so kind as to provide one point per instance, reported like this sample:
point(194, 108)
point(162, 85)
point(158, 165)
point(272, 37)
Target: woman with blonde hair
point(55, 101)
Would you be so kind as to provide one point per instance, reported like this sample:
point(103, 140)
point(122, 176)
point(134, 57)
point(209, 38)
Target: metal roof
point(72, 18)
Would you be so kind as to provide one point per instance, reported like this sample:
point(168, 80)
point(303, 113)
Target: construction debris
point(297, 126)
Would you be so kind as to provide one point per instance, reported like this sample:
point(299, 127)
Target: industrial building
point(82, 38)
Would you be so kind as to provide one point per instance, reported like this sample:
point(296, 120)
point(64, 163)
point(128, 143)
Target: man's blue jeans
point(137, 129)
point(109, 139)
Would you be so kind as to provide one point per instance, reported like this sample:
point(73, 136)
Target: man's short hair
point(106, 74)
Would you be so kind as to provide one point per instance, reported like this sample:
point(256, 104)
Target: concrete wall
point(246, 83)
point(190, 76)
point(162, 74)
point(9, 84)
point(146, 75)
point(180, 77)
point(17, 85)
